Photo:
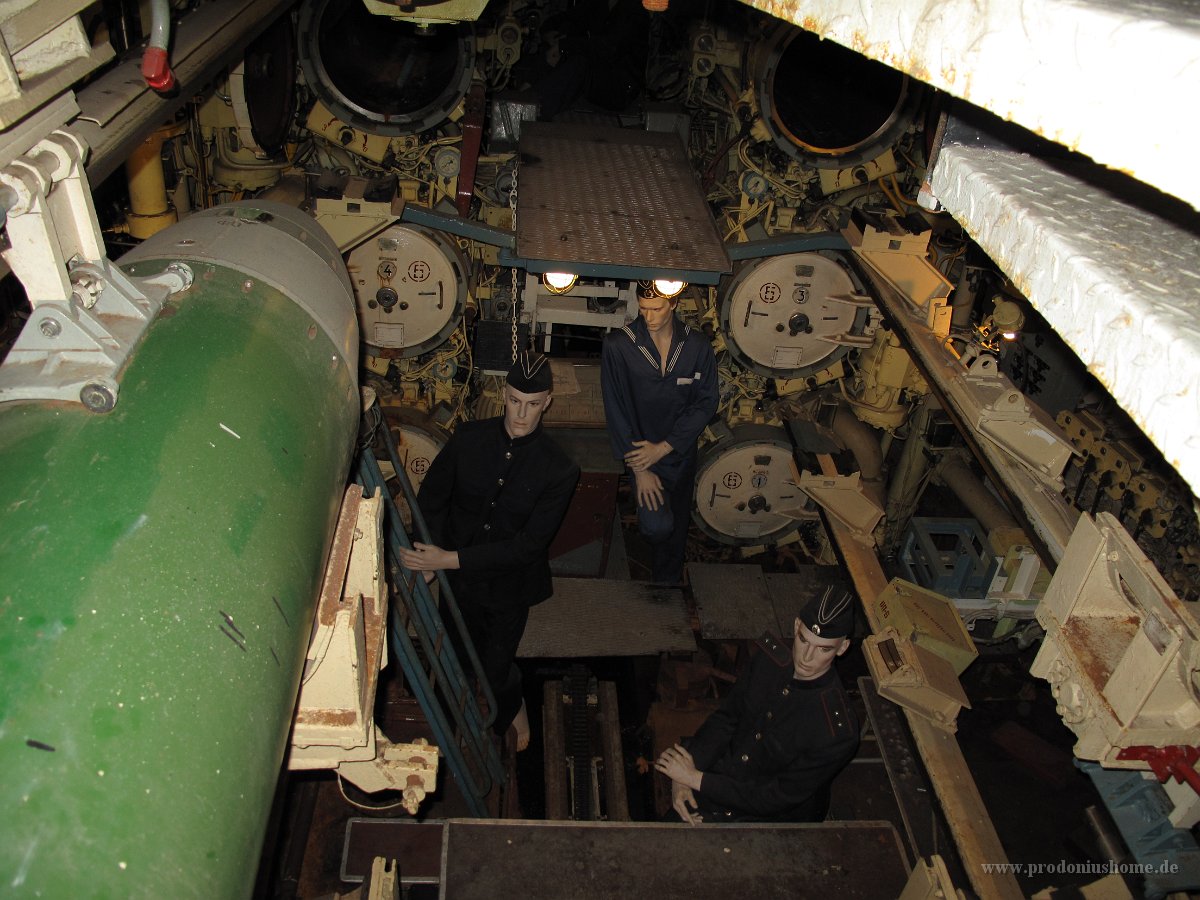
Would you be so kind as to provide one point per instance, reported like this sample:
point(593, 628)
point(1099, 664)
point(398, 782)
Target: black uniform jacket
point(499, 502)
point(643, 404)
point(773, 743)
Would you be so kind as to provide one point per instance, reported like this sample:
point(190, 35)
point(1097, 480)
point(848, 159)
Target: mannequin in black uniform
point(494, 499)
point(769, 753)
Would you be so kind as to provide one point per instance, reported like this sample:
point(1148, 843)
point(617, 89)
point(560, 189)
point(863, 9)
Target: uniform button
point(508, 456)
point(745, 757)
point(487, 527)
point(493, 503)
point(770, 715)
point(758, 737)
point(786, 691)
point(499, 481)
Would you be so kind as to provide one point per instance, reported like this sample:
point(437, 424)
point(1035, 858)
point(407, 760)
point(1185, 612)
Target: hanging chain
point(512, 205)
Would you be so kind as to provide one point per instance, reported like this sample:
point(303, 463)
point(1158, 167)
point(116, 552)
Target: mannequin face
point(813, 656)
point(657, 313)
point(523, 412)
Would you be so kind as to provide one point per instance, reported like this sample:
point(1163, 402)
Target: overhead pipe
point(156, 63)
point(955, 474)
point(860, 439)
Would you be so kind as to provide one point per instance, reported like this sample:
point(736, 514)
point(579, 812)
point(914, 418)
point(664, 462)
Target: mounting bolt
point(99, 398)
point(50, 327)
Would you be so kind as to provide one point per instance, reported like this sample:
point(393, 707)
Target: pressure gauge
point(446, 162)
point(755, 186)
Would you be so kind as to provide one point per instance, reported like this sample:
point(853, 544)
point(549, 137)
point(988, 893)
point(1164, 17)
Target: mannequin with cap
point(494, 498)
point(771, 750)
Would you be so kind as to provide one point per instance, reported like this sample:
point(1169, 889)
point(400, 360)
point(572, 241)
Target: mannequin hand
point(428, 558)
point(649, 490)
point(683, 797)
point(677, 764)
point(645, 454)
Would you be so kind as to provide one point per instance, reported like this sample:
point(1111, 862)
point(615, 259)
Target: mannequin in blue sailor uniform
point(494, 498)
point(771, 750)
point(659, 380)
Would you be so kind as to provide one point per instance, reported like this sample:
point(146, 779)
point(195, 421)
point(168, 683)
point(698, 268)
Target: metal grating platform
point(599, 617)
point(613, 197)
point(732, 602)
point(597, 860)
point(740, 602)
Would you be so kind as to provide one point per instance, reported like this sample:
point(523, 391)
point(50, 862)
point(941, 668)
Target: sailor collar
point(639, 334)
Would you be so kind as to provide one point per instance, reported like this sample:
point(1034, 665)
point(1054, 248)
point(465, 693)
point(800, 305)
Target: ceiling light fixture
point(559, 282)
point(668, 288)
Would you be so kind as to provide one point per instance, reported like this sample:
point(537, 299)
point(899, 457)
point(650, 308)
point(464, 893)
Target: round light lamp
point(559, 282)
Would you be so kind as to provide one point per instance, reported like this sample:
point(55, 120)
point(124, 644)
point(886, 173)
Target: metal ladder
point(420, 642)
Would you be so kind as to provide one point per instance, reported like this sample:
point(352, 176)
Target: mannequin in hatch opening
point(659, 380)
point(771, 750)
point(494, 498)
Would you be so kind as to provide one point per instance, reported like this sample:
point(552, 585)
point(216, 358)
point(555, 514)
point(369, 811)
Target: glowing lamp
point(559, 282)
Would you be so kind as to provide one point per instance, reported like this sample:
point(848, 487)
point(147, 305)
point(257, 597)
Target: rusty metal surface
point(732, 601)
point(416, 846)
point(599, 860)
point(613, 196)
point(600, 617)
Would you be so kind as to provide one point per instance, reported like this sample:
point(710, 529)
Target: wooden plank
point(609, 720)
point(967, 817)
point(555, 759)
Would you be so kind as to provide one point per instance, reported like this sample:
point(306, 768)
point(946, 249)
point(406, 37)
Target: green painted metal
point(158, 570)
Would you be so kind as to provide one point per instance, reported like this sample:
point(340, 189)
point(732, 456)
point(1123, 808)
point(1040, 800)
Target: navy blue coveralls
point(643, 404)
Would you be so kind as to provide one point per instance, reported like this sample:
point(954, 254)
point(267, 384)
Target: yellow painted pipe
point(149, 209)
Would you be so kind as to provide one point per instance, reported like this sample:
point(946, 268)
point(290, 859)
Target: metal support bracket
point(51, 217)
point(1005, 417)
point(1121, 653)
point(843, 498)
point(74, 349)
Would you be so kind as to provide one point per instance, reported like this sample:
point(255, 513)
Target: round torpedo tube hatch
point(746, 490)
point(383, 75)
point(792, 315)
point(410, 284)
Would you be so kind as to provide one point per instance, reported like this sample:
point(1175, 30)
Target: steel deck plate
point(612, 196)
point(732, 602)
point(597, 860)
point(600, 617)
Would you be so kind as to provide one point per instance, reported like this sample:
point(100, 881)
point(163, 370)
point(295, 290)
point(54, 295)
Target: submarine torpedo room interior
point(262, 259)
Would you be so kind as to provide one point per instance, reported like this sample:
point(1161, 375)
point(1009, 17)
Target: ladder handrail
point(422, 530)
point(427, 623)
point(427, 619)
point(469, 750)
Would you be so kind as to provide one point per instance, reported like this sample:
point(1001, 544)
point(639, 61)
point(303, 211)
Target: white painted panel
point(1121, 286)
point(1115, 79)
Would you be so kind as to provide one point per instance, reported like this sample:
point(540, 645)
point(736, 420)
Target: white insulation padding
point(1121, 286)
point(1115, 79)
